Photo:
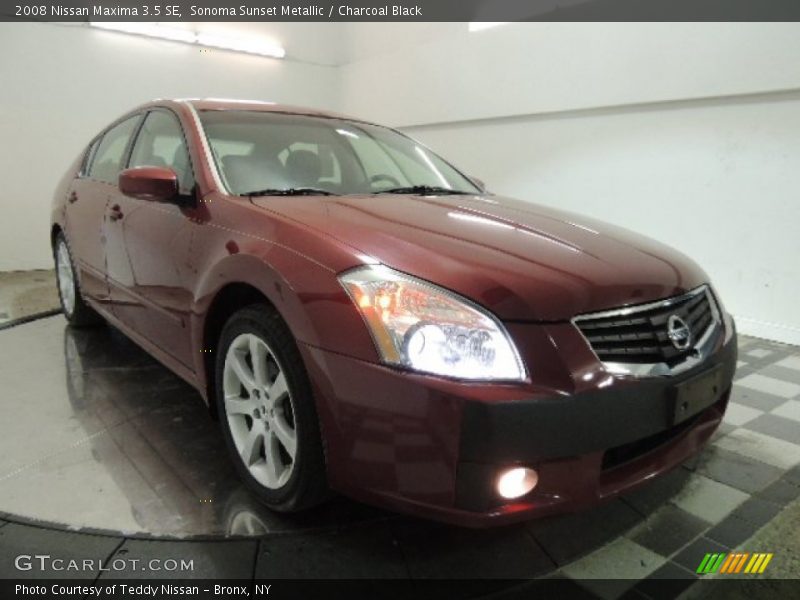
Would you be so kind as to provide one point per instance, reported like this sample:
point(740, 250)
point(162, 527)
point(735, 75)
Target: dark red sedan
point(363, 317)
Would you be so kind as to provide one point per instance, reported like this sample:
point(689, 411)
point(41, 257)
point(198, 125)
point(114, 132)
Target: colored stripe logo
point(735, 562)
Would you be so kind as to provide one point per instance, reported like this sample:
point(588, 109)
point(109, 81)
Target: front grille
point(640, 334)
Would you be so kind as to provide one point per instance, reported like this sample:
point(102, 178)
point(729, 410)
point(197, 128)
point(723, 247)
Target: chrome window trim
point(701, 349)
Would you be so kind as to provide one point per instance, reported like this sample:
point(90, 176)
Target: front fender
point(305, 293)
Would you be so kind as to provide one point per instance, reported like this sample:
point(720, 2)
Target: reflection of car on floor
point(243, 517)
point(365, 318)
point(166, 458)
point(147, 447)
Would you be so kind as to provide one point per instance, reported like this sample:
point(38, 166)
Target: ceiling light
point(481, 25)
point(148, 29)
point(260, 47)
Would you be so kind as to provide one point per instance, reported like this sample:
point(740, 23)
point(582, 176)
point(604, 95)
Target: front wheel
point(75, 309)
point(267, 411)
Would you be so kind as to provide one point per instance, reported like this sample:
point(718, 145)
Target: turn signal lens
point(516, 482)
point(423, 327)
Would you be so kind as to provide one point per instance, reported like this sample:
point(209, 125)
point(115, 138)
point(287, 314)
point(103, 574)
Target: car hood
point(521, 260)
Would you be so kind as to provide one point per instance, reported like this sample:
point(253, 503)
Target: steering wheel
point(383, 177)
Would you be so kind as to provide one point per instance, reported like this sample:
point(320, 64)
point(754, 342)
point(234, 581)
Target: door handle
point(116, 213)
point(73, 197)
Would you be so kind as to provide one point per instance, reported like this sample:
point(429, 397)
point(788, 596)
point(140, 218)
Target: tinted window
point(107, 161)
point(160, 143)
point(262, 150)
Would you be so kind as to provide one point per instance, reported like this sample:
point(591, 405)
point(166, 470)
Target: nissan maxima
point(362, 317)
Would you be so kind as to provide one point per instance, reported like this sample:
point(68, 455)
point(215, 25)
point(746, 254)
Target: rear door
point(86, 207)
point(148, 243)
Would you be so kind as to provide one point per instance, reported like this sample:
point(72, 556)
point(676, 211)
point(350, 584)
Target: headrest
point(303, 168)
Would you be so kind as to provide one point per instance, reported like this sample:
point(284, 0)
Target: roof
point(259, 105)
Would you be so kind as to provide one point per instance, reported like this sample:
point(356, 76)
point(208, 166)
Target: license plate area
point(696, 394)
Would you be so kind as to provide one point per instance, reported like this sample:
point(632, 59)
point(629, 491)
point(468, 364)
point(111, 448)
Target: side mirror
point(479, 183)
point(156, 184)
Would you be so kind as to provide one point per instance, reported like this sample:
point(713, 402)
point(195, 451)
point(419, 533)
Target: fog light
point(516, 482)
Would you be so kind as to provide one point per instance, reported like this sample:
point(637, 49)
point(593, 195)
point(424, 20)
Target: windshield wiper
point(422, 190)
point(297, 191)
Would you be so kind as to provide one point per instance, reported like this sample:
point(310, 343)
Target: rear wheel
point(77, 312)
point(267, 411)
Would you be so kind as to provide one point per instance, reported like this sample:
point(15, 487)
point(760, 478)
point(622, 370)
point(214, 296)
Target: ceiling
point(334, 43)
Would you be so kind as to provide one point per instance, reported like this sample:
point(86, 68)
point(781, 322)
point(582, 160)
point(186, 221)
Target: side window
point(160, 143)
point(107, 161)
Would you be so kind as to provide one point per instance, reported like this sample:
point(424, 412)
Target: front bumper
point(434, 447)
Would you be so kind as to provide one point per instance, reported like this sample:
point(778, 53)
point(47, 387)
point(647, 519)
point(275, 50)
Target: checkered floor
point(750, 471)
point(647, 544)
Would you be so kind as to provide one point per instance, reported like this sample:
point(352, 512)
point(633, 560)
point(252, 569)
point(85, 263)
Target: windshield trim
point(218, 174)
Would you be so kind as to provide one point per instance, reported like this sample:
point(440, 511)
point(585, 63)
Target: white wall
point(719, 181)
point(689, 133)
point(533, 68)
point(60, 85)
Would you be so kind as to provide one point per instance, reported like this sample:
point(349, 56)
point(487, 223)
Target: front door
point(148, 244)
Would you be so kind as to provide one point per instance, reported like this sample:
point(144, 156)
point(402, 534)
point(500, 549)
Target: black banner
point(402, 10)
point(557, 587)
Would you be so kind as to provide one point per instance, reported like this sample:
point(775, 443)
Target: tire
point(267, 413)
point(75, 309)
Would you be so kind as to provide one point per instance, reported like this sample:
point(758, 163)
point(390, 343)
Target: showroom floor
point(132, 465)
point(24, 293)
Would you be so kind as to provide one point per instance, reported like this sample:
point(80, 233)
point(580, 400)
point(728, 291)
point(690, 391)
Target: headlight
point(420, 326)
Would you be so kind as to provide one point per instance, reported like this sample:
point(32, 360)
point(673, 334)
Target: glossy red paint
point(522, 261)
point(156, 270)
point(157, 184)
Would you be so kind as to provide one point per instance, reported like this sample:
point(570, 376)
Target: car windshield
point(264, 153)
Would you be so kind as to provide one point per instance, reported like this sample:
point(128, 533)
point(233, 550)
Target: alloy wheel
point(66, 278)
point(259, 411)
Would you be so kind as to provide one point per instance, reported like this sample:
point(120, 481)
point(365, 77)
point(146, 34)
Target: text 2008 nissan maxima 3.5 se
point(362, 317)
